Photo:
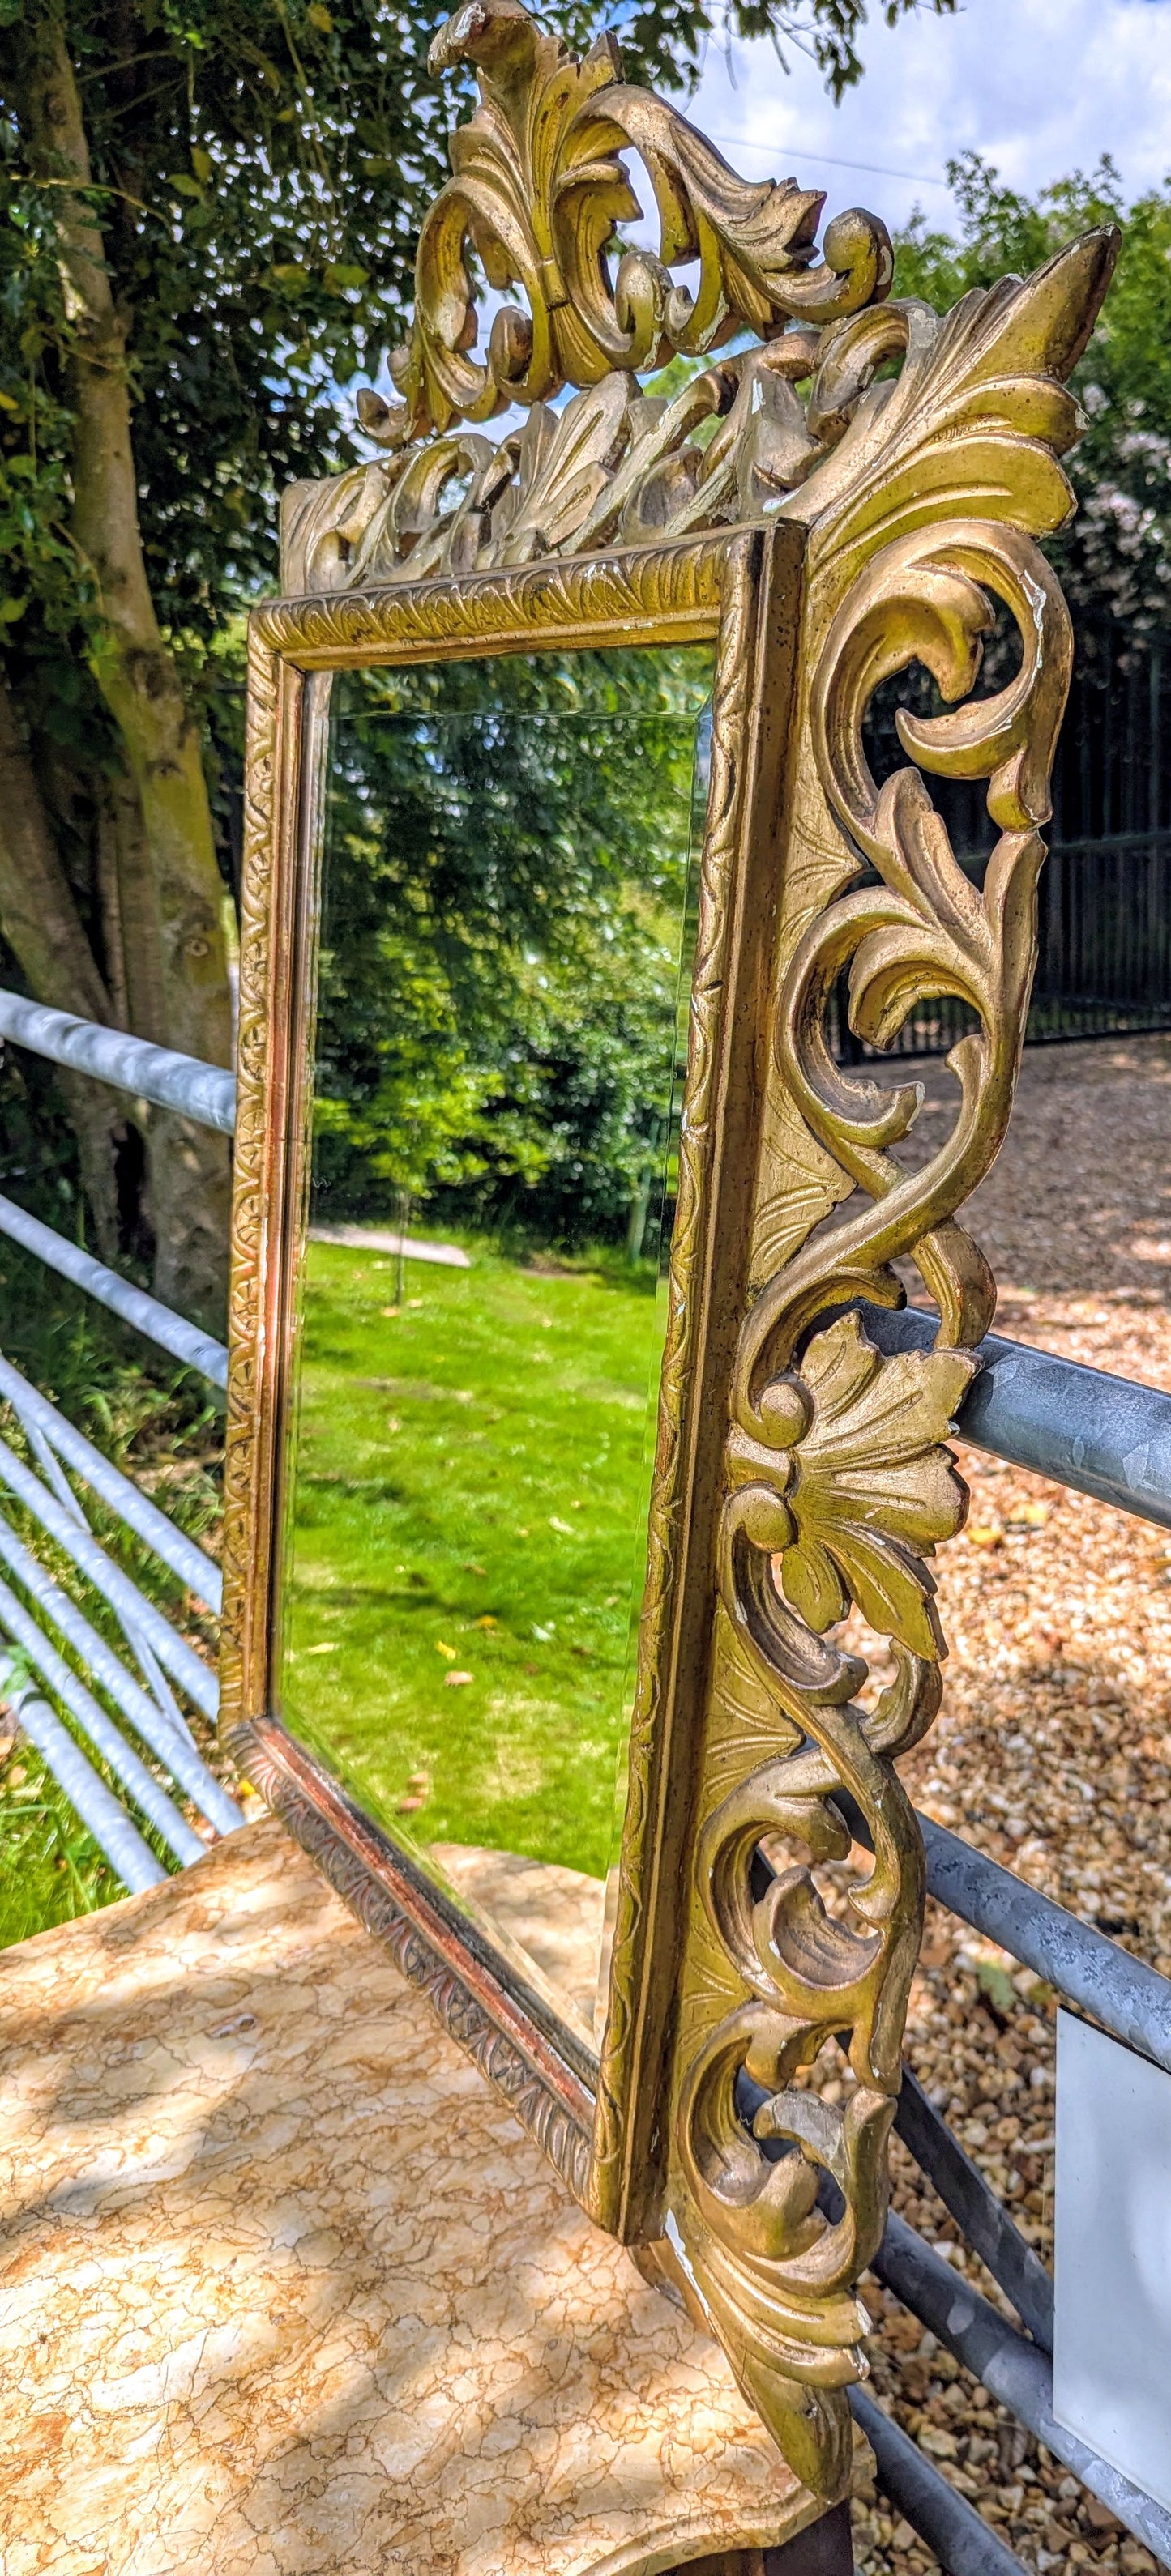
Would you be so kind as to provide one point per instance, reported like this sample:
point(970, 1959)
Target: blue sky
point(1040, 87)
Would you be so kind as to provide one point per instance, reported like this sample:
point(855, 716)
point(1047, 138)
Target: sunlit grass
point(496, 1530)
point(51, 1869)
point(471, 1502)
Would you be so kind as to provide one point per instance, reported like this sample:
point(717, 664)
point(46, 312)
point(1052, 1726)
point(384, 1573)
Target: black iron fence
point(1104, 968)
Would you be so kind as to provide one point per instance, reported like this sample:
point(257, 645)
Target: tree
point(207, 215)
point(505, 885)
point(1115, 557)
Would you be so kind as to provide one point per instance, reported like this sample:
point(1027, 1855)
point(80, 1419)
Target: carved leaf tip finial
point(1067, 296)
point(481, 29)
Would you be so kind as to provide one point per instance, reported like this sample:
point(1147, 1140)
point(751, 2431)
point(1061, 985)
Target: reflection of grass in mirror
point(468, 1498)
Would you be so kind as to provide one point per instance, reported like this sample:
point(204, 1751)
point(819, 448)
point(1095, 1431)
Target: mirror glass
point(507, 913)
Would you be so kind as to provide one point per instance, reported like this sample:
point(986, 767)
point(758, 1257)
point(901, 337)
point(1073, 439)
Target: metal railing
point(55, 1664)
point(1104, 968)
point(1104, 1435)
point(204, 1092)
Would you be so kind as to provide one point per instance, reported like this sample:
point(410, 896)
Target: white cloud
point(1040, 87)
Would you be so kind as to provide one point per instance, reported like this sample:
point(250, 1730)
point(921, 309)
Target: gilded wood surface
point(761, 593)
point(838, 1485)
point(538, 185)
point(248, 1499)
point(655, 594)
point(912, 461)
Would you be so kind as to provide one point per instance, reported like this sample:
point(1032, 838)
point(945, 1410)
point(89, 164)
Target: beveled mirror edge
point(539, 2066)
point(727, 588)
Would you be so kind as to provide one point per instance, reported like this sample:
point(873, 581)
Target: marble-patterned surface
point(284, 2291)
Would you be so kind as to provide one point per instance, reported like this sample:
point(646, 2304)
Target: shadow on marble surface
point(286, 2291)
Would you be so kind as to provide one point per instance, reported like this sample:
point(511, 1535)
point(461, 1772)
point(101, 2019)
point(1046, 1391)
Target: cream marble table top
point(284, 2291)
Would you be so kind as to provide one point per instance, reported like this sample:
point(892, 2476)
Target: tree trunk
point(188, 1196)
point(39, 920)
point(176, 959)
point(111, 795)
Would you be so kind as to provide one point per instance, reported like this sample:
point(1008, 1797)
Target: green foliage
point(51, 1870)
point(260, 168)
point(826, 30)
point(1115, 559)
point(43, 570)
point(38, 1155)
point(259, 172)
point(505, 879)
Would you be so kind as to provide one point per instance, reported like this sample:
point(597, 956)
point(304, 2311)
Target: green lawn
point(470, 1499)
point(50, 1867)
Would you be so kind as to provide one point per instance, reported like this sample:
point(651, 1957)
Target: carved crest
point(537, 194)
point(538, 189)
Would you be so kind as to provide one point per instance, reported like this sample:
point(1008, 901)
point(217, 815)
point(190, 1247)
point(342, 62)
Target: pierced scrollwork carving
point(916, 458)
point(615, 465)
point(538, 187)
point(838, 1481)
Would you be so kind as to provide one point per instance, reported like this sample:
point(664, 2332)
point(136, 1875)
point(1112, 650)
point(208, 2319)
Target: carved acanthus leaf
point(921, 458)
point(802, 429)
point(613, 463)
point(537, 189)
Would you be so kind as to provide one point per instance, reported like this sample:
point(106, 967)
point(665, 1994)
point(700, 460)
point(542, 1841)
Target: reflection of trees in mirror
point(507, 859)
point(502, 1019)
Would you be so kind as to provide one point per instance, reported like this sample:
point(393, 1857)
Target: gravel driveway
point(1053, 1750)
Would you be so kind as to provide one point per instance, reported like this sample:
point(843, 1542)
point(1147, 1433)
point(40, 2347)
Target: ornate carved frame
point(741, 592)
point(825, 544)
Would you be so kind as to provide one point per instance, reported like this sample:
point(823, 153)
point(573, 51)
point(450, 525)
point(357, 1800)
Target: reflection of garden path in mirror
point(377, 1238)
point(286, 2287)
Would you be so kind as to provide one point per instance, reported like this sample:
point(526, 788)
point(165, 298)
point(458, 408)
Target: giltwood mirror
point(559, 1454)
